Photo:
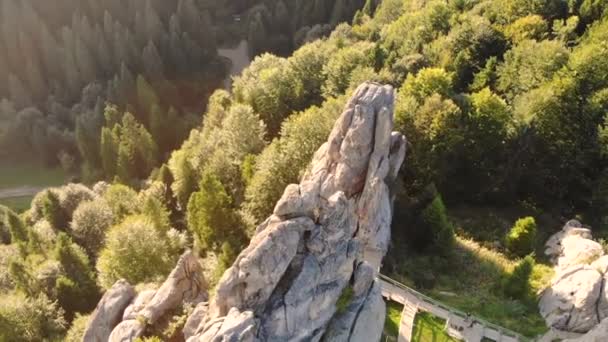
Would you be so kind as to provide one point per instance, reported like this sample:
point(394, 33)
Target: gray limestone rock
point(286, 284)
point(577, 300)
point(109, 312)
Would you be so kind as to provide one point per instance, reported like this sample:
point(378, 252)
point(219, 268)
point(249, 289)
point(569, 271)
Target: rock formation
point(309, 271)
point(304, 275)
point(123, 316)
point(109, 312)
point(577, 299)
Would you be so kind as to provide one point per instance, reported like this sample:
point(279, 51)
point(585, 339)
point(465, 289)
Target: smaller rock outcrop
point(109, 312)
point(121, 316)
point(577, 299)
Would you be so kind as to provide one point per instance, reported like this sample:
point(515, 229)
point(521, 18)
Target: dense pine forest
point(504, 104)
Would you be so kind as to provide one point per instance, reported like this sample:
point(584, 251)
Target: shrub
point(16, 227)
point(29, 319)
point(435, 219)
point(122, 200)
point(516, 285)
point(5, 234)
point(521, 238)
point(76, 289)
point(135, 251)
point(77, 329)
point(89, 224)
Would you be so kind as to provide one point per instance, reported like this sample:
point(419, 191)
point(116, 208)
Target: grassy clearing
point(470, 280)
point(18, 204)
point(393, 318)
point(429, 328)
point(29, 174)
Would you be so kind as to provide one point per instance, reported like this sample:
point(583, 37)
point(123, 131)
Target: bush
point(435, 219)
point(52, 211)
point(122, 200)
point(89, 224)
point(29, 319)
point(516, 285)
point(76, 289)
point(521, 238)
point(76, 332)
point(135, 251)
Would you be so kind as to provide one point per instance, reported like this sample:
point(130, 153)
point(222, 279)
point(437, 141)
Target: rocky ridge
point(308, 273)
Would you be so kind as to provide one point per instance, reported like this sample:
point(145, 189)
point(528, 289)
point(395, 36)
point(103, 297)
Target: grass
point(429, 328)
point(18, 204)
point(29, 174)
point(469, 280)
point(393, 318)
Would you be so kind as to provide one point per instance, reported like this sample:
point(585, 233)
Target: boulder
point(577, 299)
point(286, 284)
point(598, 334)
point(108, 312)
point(194, 320)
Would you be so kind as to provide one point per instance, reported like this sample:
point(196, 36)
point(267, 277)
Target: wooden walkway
point(458, 324)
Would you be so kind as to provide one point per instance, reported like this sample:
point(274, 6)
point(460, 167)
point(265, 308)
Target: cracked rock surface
point(123, 316)
point(576, 300)
point(286, 284)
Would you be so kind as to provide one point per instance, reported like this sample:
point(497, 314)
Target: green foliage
point(529, 64)
point(225, 259)
point(136, 251)
point(284, 161)
point(435, 221)
point(521, 239)
point(15, 226)
point(528, 27)
point(53, 212)
point(270, 86)
point(211, 218)
point(29, 319)
point(516, 284)
point(77, 329)
point(89, 224)
point(121, 199)
point(345, 299)
point(430, 328)
point(76, 289)
point(127, 148)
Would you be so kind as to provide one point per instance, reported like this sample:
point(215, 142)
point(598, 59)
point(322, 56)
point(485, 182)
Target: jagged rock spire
point(286, 284)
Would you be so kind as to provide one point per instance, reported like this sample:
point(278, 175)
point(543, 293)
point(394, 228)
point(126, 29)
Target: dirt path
point(239, 56)
point(20, 191)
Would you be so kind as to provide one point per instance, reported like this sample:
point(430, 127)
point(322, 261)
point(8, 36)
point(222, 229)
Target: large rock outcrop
point(577, 299)
point(286, 285)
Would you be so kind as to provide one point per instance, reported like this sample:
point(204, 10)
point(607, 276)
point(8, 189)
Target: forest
point(504, 104)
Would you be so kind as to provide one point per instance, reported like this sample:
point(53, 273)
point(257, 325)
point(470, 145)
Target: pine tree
point(153, 63)
point(16, 227)
point(76, 290)
point(53, 212)
point(210, 215)
point(109, 152)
